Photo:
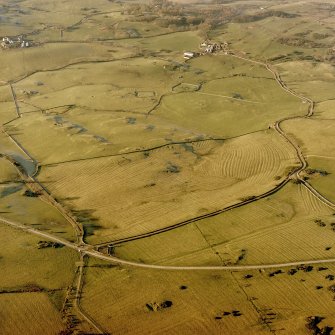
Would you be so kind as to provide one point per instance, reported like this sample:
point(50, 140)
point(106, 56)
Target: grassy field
point(7, 172)
point(214, 109)
point(7, 106)
point(313, 136)
point(24, 265)
point(28, 313)
point(278, 36)
point(33, 284)
point(17, 206)
point(50, 56)
point(325, 110)
point(314, 80)
point(128, 136)
point(266, 231)
point(119, 298)
point(203, 177)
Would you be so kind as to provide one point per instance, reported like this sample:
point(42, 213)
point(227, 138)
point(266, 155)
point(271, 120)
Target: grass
point(214, 109)
point(216, 174)
point(313, 135)
point(325, 184)
point(118, 298)
point(96, 85)
point(263, 232)
point(23, 264)
point(7, 171)
point(325, 110)
point(29, 313)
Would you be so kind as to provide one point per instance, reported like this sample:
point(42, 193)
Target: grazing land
point(167, 167)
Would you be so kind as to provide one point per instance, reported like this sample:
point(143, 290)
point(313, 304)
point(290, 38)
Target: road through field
point(88, 250)
point(293, 175)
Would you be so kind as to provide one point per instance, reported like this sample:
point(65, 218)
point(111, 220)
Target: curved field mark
point(293, 174)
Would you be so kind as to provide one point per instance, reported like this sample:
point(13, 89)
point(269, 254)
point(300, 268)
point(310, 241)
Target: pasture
point(263, 232)
point(216, 174)
point(179, 157)
point(313, 137)
point(206, 301)
point(29, 313)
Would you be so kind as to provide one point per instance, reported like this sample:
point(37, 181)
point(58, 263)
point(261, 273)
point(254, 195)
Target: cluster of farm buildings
point(207, 47)
point(18, 42)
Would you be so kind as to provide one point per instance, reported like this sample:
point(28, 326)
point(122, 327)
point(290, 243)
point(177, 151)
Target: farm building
point(14, 43)
point(189, 55)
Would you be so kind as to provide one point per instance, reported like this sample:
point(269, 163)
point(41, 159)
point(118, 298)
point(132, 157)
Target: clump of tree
point(179, 17)
point(264, 15)
point(313, 325)
point(320, 223)
point(154, 306)
point(237, 96)
point(248, 198)
point(31, 194)
point(171, 168)
point(302, 42)
point(49, 244)
point(310, 171)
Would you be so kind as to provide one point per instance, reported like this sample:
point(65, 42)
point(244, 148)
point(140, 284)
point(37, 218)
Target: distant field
point(48, 56)
point(315, 80)
point(255, 102)
point(278, 38)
